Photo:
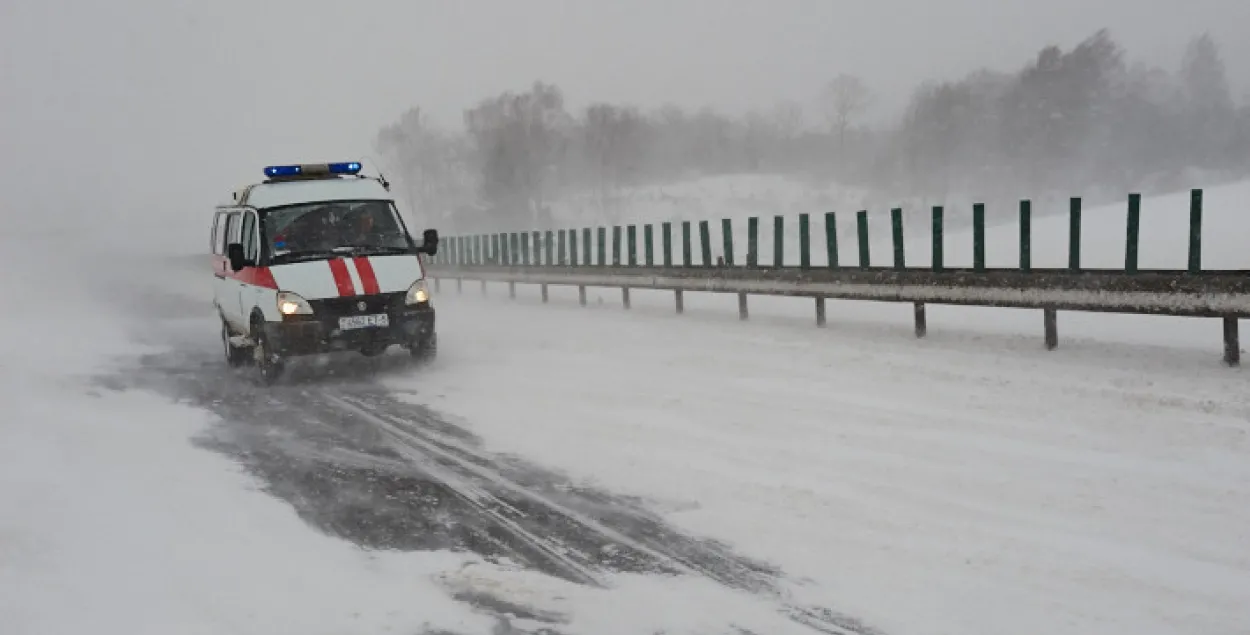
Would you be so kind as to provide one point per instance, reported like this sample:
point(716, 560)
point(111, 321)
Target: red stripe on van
point(367, 277)
point(257, 276)
point(342, 279)
point(254, 276)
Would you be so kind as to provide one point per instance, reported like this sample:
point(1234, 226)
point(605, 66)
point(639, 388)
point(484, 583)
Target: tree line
point(1084, 120)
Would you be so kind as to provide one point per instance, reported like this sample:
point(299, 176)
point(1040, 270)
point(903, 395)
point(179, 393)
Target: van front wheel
point(235, 356)
point(267, 361)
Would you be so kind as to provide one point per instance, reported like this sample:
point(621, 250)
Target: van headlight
point(417, 293)
point(292, 304)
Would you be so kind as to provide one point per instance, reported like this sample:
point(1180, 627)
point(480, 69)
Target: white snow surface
point(970, 482)
point(967, 483)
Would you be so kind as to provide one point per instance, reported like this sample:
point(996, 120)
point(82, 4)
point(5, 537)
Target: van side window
point(232, 230)
point(219, 230)
point(251, 251)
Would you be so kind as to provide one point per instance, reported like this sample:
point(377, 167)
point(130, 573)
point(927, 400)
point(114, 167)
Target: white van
point(316, 258)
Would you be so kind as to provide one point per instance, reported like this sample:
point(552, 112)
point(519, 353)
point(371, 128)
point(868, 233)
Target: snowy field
point(967, 483)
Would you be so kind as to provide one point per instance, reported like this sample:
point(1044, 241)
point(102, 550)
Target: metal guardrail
point(1209, 294)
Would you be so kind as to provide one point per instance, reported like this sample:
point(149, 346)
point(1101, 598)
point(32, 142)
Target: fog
point(156, 109)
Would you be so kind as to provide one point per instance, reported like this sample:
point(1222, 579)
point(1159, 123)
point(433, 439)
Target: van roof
point(278, 193)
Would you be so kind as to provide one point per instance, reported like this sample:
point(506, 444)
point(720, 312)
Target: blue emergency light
point(351, 167)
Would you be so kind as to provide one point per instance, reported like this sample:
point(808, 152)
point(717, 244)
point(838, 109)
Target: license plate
point(364, 321)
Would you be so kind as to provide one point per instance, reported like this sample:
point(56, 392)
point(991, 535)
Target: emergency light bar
point(312, 169)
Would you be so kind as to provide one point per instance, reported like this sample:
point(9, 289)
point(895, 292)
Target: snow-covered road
point(593, 470)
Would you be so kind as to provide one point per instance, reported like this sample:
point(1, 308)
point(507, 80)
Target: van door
point(250, 291)
point(226, 292)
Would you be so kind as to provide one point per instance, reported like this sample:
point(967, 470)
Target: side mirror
point(429, 242)
point(234, 253)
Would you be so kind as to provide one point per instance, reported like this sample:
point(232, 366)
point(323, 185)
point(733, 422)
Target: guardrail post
point(753, 242)
point(1050, 322)
point(616, 246)
point(896, 231)
point(743, 314)
point(820, 311)
point(1026, 235)
point(1133, 227)
point(978, 237)
point(1232, 343)
point(861, 222)
point(581, 294)
point(549, 246)
point(561, 243)
point(631, 234)
point(779, 242)
point(687, 254)
point(603, 246)
point(938, 240)
point(705, 242)
point(544, 292)
point(1195, 231)
point(625, 297)
point(681, 304)
point(805, 239)
point(666, 231)
point(922, 323)
point(1074, 234)
point(831, 239)
point(648, 243)
point(727, 236)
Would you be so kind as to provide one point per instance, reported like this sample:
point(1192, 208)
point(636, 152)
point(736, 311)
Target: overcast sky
point(164, 106)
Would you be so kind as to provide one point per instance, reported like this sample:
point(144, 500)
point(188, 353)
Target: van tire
point(268, 363)
point(235, 356)
point(424, 349)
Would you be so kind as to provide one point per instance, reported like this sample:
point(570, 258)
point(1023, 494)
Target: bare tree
point(845, 98)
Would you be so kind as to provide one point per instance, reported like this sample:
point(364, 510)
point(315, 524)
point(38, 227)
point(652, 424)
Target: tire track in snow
point(356, 462)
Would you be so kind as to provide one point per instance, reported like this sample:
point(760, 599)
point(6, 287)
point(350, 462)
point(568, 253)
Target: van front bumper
point(314, 334)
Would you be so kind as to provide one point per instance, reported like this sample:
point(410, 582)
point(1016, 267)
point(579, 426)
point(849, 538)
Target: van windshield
point(328, 229)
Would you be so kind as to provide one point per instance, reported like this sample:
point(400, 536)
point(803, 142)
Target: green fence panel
point(805, 242)
point(831, 239)
point(666, 229)
point(1074, 234)
point(632, 245)
point(896, 235)
point(978, 237)
point(561, 246)
point(616, 246)
point(939, 240)
point(1026, 235)
point(687, 256)
point(648, 245)
point(779, 241)
point(705, 243)
point(861, 226)
point(1133, 233)
point(603, 246)
point(727, 235)
point(1195, 231)
point(753, 242)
